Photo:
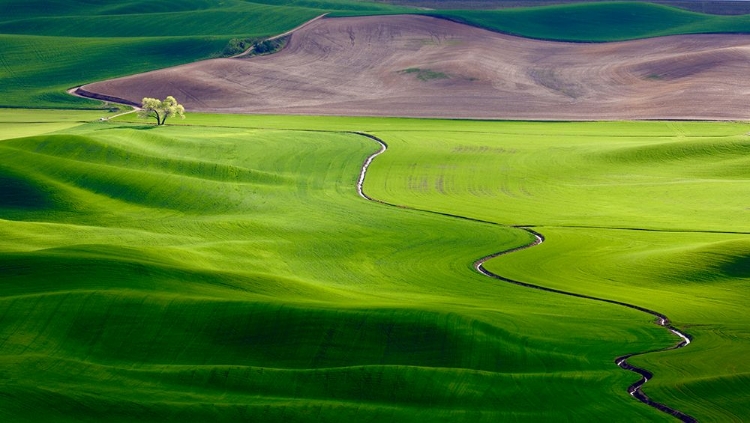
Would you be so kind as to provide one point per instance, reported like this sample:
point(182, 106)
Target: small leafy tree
point(161, 109)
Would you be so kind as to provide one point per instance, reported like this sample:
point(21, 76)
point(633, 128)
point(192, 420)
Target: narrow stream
point(635, 389)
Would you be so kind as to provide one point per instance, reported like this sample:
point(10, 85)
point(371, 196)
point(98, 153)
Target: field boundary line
point(283, 34)
point(622, 228)
point(80, 92)
point(621, 361)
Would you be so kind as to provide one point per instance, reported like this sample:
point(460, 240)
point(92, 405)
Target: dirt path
point(78, 92)
point(283, 34)
point(635, 389)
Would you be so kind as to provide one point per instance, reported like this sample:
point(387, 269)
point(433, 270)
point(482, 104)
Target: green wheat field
point(229, 269)
point(225, 268)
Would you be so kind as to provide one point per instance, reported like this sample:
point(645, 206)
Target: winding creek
point(662, 320)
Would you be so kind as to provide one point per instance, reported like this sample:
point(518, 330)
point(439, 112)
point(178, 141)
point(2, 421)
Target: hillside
point(47, 47)
point(229, 274)
point(427, 67)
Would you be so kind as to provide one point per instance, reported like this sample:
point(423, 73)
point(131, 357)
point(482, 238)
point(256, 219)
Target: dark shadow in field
point(121, 126)
point(17, 193)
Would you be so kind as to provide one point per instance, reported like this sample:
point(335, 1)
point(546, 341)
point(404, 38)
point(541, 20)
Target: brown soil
point(426, 67)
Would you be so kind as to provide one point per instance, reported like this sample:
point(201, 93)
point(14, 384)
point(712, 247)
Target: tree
point(161, 110)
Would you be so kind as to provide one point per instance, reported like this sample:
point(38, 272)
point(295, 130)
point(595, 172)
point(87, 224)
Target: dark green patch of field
point(599, 22)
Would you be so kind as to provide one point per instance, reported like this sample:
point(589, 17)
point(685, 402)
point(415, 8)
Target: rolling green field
point(225, 268)
point(591, 189)
point(47, 47)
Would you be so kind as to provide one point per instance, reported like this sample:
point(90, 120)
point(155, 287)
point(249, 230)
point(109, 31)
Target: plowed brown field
point(427, 67)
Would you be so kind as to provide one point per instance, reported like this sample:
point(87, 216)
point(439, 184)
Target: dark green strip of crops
point(600, 22)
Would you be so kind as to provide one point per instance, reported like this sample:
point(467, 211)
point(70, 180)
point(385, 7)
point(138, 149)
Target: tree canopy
point(161, 109)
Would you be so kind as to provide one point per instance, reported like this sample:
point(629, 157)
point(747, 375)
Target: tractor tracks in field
point(662, 320)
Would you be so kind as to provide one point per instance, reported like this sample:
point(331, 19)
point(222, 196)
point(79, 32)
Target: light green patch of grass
point(18, 123)
point(610, 174)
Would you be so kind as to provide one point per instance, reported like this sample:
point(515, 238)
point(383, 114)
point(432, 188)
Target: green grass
point(18, 123)
point(619, 174)
point(592, 189)
point(37, 70)
point(651, 213)
point(225, 268)
point(600, 22)
point(424, 74)
point(230, 270)
point(699, 280)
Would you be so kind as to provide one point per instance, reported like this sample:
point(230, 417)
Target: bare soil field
point(426, 67)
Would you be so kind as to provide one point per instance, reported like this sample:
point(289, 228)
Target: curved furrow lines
point(662, 320)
